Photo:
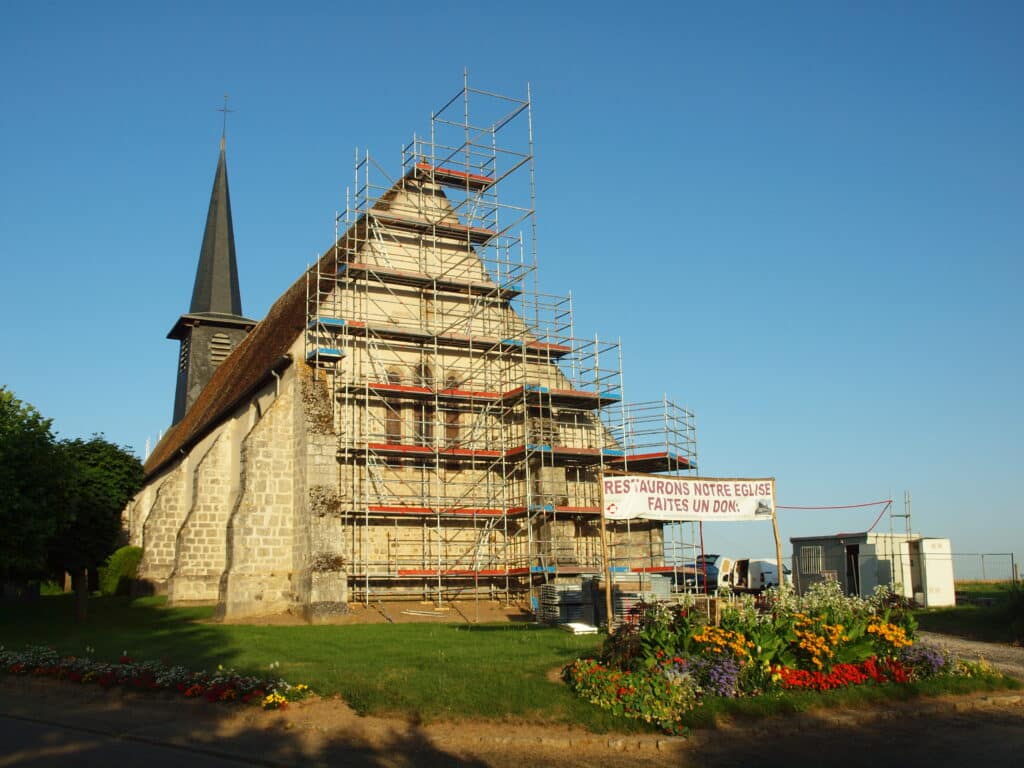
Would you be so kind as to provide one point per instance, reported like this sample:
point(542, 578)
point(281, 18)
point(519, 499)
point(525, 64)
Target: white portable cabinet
point(937, 573)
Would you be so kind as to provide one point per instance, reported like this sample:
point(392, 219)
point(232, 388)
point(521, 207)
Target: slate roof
point(237, 377)
point(249, 365)
point(216, 288)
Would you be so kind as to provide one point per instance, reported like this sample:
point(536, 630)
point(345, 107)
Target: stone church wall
point(160, 528)
point(200, 546)
point(321, 582)
point(259, 536)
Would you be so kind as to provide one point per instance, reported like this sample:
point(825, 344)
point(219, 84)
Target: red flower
point(843, 675)
point(107, 680)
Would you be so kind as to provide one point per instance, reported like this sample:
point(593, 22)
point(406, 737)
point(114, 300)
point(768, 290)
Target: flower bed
point(222, 686)
point(670, 660)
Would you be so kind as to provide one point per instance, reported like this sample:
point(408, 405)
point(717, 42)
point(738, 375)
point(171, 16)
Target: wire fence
point(986, 566)
point(859, 573)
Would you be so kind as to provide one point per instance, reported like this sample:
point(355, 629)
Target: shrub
point(121, 568)
point(1014, 615)
point(655, 695)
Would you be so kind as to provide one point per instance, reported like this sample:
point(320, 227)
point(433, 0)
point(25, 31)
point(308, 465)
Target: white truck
point(751, 574)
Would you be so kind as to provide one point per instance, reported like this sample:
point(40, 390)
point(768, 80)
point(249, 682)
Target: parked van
point(751, 575)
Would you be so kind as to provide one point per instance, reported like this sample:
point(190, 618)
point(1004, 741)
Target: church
point(412, 419)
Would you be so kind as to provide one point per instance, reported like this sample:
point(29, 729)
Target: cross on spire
point(224, 129)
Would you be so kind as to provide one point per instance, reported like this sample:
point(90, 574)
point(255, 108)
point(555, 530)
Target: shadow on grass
point(424, 671)
point(140, 626)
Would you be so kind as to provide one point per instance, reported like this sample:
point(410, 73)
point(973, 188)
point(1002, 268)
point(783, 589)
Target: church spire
point(216, 288)
point(214, 324)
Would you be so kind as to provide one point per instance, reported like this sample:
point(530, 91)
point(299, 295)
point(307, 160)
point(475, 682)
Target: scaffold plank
point(474, 182)
point(431, 511)
point(324, 354)
point(423, 280)
point(484, 344)
point(457, 572)
point(550, 348)
point(446, 229)
point(329, 322)
point(426, 450)
point(657, 461)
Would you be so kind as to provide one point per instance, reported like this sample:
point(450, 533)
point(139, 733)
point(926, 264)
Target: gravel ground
point(1008, 659)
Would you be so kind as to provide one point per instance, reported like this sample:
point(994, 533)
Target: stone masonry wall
point(137, 512)
point(258, 577)
point(321, 576)
point(642, 545)
point(200, 546)
point(160, 530)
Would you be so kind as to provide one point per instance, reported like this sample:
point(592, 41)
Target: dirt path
point(947, 731)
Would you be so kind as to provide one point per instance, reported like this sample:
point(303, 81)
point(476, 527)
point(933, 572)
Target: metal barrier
point(986, 566)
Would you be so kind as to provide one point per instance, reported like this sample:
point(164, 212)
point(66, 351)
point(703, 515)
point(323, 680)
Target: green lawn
point(986, 610)
point(422, 671)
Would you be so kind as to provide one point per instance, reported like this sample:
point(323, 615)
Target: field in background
point(992, 611)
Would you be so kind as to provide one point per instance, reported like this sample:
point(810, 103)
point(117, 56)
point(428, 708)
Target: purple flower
point(717, 676)
point(924, 659)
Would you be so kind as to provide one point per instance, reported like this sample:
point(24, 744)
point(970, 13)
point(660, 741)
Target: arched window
point(423, 412)
point(451, 427)
point(451, 417)
point(423, 426)
point(392, 413)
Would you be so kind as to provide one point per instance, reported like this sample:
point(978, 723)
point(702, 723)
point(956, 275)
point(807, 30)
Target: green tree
point(102, 478)
point(32, 484)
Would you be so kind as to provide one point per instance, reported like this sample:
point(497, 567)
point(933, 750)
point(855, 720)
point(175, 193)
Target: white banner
point(627, 497)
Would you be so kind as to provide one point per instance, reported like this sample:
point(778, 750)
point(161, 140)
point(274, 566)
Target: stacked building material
point(563, 602)
point(629, 591)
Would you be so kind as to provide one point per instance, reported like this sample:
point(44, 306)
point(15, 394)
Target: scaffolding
point(472, 424)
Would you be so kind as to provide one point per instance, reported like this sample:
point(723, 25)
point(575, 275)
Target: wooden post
point(778, 541)
point(604, 553)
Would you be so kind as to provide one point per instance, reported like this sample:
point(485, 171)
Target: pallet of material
point(578, 628)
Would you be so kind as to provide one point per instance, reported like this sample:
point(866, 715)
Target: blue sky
point(804, 220)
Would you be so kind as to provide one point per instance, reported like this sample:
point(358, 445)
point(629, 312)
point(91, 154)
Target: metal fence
point(859, 573)
point(986, 566)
